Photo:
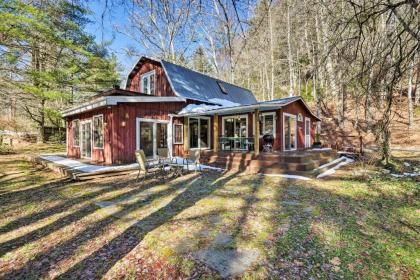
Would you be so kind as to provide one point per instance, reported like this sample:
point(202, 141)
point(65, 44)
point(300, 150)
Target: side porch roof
point(239, 109)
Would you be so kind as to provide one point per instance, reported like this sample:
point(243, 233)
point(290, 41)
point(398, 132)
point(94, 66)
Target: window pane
point(241, 123)
point(269, 124)
point(178, 133)
point(76, 133)
point(229, 130)
point(204, 133)
point(145, 85)
point(292, 133)
point(193, 133)
point(161, 135)
point(98, 133)
point(152, 84)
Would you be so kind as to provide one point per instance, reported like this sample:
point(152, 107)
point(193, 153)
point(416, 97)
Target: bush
point(57, 137)
point(6, 150)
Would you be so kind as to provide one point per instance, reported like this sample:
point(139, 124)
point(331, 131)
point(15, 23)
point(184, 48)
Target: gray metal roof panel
point(193, 85)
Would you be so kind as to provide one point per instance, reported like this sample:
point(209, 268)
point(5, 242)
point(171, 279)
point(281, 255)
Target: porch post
point(216, 133)
point(186, 144)
point(257, 131)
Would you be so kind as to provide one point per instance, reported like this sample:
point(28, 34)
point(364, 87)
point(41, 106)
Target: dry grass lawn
point(341, 227)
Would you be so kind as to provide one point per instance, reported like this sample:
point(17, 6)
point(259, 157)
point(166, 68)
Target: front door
point(289, 132)
point(86, 138)
point(307, 133)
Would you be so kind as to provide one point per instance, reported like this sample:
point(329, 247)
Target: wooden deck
point(297, 162)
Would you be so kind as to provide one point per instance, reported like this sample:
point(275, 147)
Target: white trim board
point(114, 100)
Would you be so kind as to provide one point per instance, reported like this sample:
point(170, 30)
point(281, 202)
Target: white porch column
point(170, 137)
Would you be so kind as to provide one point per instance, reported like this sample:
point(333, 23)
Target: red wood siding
point(124, 125)
point(162, 86)
point(98, 155)
point(295, 108)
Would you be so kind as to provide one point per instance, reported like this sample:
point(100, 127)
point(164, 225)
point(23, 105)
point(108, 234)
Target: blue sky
point(120, 42)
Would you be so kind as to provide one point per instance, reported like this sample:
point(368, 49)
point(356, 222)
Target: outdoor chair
point(145, 167)
point(195, 158)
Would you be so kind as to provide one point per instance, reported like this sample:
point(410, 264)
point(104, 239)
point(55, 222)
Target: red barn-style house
point(171, 107)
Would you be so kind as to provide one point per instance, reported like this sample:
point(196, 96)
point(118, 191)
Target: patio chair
point(196, 160)
point(145, 167)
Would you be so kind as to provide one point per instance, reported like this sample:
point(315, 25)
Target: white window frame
point(93, 131)
point(234, 116)
point(155, 122)
point(89, 120)
point(147, 76)
point(263, 122)
point(199, 129)
point(72, 130)
point(182, 130)
point(296, 138)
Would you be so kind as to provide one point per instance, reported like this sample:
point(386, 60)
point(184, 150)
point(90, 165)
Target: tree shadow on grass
point(70, 218)
point(103, 259)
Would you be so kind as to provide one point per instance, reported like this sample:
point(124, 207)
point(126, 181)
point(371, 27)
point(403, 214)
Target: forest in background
point(355, 61)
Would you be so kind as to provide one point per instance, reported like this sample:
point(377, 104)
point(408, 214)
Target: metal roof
point(282, 101)
point(193, 85)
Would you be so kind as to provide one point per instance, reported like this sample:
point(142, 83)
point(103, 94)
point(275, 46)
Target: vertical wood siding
point(295, 108)
point(162, 86)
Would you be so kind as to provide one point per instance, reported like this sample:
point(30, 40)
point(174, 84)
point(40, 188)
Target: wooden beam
point(216, 133)
point(186, 143)
point(257, 131)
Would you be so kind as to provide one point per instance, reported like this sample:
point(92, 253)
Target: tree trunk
point(410, 96)
point(289, 54)
point(270, 26)
point(41, 123)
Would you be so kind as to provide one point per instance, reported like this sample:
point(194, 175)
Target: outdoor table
point(177, 168)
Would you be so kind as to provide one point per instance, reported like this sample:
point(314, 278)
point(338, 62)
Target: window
point(98, 131)
point(148, 83)
point(178, 134)
point(300, 118)
point(199, 133)
point(222, 87)
point(162, 135)
point(268, 124)
point(75, 124)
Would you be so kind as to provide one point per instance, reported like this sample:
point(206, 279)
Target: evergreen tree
point(47, 58)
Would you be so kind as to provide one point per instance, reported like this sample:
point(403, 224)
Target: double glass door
point(153, 136)
point(86, 139)
point(289, 130)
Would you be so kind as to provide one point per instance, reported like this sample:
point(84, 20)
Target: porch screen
point(199, 133)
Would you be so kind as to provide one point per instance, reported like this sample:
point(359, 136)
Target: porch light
point(123, 123)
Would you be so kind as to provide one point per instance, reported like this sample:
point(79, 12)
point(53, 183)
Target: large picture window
point(148, 83)
point(268, 124)
point(199, 133)
point(75, 125)
point(98, 131)
point(178, 134)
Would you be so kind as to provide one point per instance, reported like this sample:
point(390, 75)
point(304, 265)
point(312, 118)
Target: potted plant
point(317, 142)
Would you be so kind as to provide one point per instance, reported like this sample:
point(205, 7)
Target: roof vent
point(222, 87)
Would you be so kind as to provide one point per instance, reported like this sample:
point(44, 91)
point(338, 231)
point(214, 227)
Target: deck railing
point(236, 143)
